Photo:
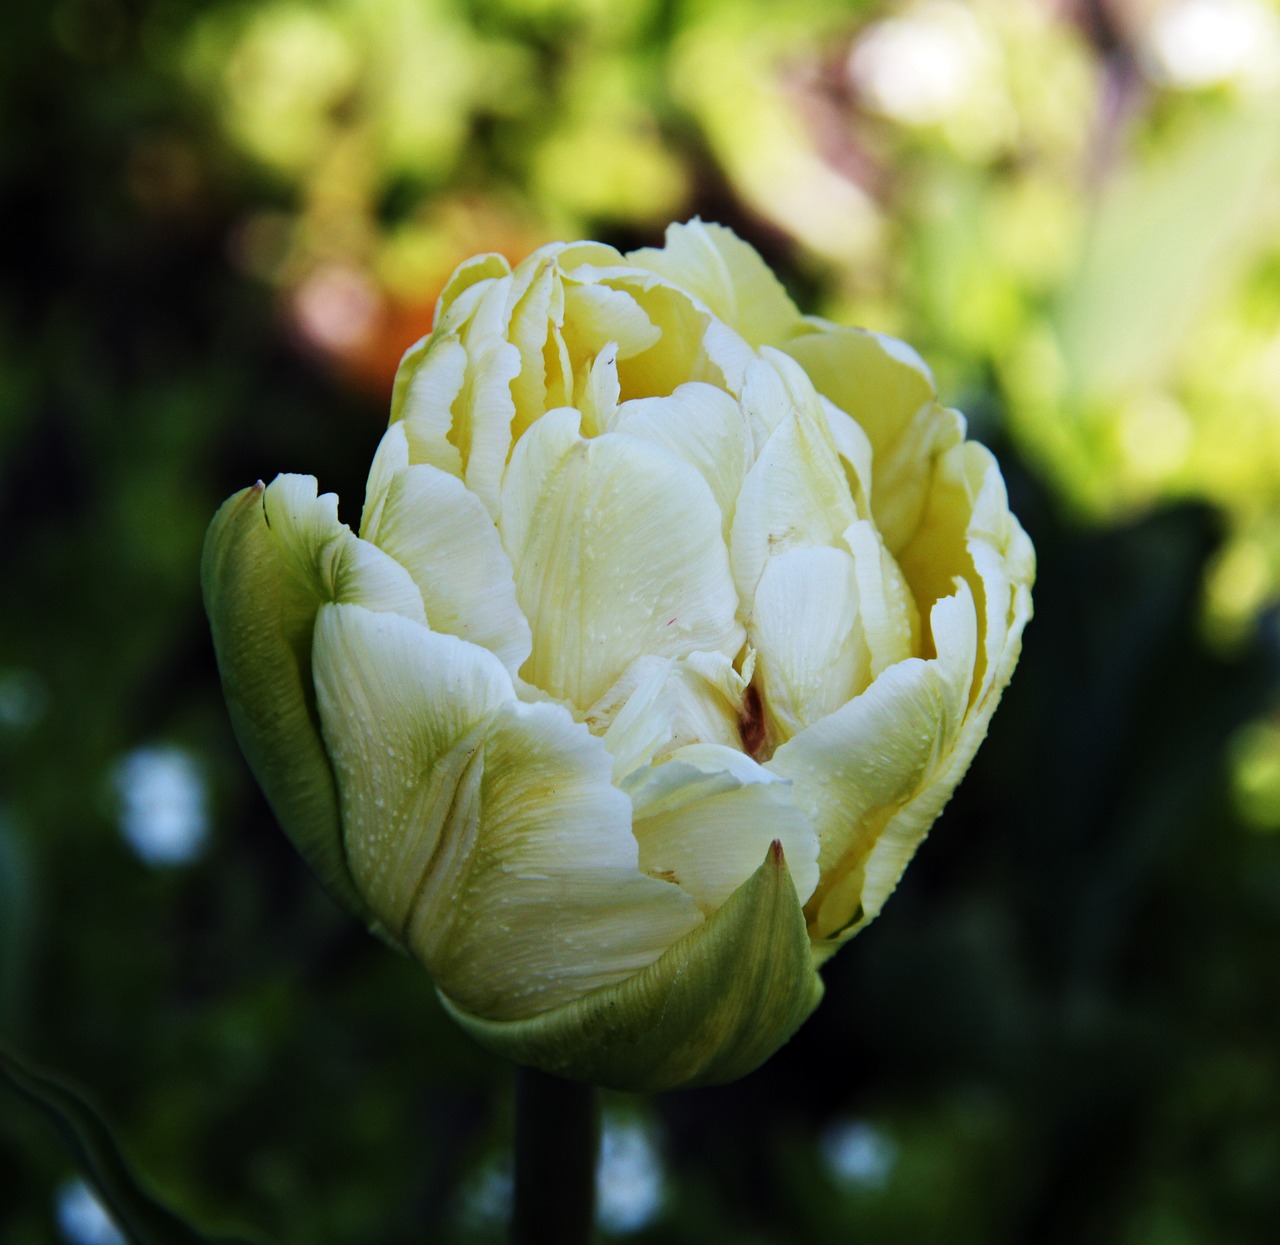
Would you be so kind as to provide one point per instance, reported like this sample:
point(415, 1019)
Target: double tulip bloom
point(673, 621)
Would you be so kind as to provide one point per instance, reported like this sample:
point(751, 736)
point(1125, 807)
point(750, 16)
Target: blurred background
point(224, 220)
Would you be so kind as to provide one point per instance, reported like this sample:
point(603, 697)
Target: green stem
point(557, 1137)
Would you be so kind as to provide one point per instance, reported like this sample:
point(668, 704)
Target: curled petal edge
point(262, 619)
point(713, 1007)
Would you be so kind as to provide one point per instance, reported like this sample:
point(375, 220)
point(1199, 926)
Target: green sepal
point(263, 619)
point(712, 1008)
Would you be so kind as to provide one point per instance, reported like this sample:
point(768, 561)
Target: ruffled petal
point(327, 557)
point(404, 712)
point(853, 770)
point(889, 391)
point(796, 495)
point(661, 704)
point(727, 276)
point(617, 551)
point(704, 817)
point(485, 832)
point(443, 536)
point(705, 427)
point(811, 653)
point(598, 314)
point(887, 611)
point(427, 386)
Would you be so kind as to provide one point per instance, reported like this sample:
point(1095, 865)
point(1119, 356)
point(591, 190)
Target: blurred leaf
point(145, 1220)
point(1166, 237)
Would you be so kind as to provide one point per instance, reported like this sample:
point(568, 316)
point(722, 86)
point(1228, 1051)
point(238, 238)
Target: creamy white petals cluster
point(653, 574)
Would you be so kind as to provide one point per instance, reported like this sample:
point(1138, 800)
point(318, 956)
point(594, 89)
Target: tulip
point(673, 620)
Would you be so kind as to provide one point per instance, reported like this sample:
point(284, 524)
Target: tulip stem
point(557, 1138)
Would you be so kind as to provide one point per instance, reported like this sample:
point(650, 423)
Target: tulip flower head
point(673, 620)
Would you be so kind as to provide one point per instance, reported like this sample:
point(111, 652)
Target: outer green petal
point(712, 1008)
point(262, 617)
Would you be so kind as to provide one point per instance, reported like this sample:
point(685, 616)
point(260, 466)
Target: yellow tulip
point(674, 619)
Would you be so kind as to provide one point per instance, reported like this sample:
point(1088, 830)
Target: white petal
point(855, 450)
point(704, 426)
point(705, 818)
point(727, 353)
point(443, 536)
point(617, 552)
point(887, 389)
point(531, 324)
point(660, 704)
point(774, 386)
point(728, 276)
point(887, 610)
point(485, 832)
point(810, 650)
point(469, 273)
point(598, 394)
point(485, 413)
point(427, 406)
point(403, 712)
point(597, 314)
point(795, 495)
point(555, 902)
point(392, 456)
point(324, 553)
point(855, 769)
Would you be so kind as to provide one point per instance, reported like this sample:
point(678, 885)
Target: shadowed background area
point(222, 224)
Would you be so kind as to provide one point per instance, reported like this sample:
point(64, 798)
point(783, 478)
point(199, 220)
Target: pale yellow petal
point(597, 314)
point(661, 704)
point(469, 273)
point(532, 323)
point(557, 869)
point(854, 770)
point(702, 425)
point(711, 1008)
point(485, 833)
point(704, 817)
point(443, 536)
point(890, 393)
point(598, 395)
point(887, 611)
point(728, 276)
point(484, 413)
point(403, 711)
point(679, 355)
point(390, 458)
point(795, 495)
point(327, 557)
point(617, 551)
point(986, 544)
point(804, 623)
point(426, 388)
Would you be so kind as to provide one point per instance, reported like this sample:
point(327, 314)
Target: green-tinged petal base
point(712, 1008)
point(262, 619)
